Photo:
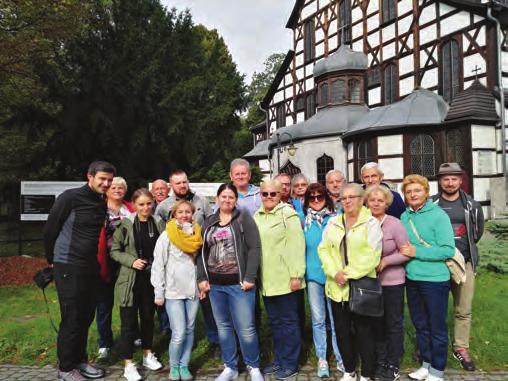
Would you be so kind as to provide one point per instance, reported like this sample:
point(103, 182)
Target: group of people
point(269, 243)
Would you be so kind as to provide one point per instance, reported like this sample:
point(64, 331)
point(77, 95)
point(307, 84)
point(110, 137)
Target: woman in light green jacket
point(359, 233)
point(282, 275)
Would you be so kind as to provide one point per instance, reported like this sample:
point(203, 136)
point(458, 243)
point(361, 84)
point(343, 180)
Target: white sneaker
point(348, 377)
point(103, 353)
point(364, 378)
point(131, 373)
point(227, 374)
point(151, 362)
point(255, 374)
point(431, 377)
point(419, 374)
point(137, 342)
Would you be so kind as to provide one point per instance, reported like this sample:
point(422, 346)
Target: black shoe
point(391, 373)
point(462, 355)
point(272, 368)
point(284, 374)
point(89, 371)
point(380, 373)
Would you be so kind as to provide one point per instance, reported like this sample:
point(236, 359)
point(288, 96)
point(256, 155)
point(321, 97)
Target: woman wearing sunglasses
point(318, 209)
point(282, 274)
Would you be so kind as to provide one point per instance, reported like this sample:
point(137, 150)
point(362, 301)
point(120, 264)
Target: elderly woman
point(319, 208)
point(358, 234)
point(389, 332)
point(428, 278)
point(299, 184)
point(282, 273)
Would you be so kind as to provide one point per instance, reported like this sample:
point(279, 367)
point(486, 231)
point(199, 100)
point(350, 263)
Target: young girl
point(174, 280)
point(133, 245)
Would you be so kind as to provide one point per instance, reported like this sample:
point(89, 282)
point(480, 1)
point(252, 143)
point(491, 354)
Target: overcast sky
point(252, 29)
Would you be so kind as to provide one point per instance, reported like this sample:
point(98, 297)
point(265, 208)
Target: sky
point(252, 29)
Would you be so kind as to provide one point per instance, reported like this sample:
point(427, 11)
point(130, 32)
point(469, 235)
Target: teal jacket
point(434, 227)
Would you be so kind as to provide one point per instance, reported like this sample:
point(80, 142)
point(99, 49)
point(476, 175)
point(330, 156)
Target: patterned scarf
point(316, 215)
point(188, 243)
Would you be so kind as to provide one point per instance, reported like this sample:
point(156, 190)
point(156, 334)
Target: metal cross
point(475, 71)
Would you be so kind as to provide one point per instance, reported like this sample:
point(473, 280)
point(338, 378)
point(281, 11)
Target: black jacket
point(71, 233)
point(247, 245)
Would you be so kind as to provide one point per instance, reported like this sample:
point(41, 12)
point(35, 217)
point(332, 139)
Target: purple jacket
point(394, 236)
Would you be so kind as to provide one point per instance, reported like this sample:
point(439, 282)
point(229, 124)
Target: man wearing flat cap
point(466, 216)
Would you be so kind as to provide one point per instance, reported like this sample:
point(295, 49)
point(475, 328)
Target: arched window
point(324, 164)
point(390, 84)
point(290, 169)
point(309, 41)
point(388, 11)
point(354, 91)
point(280, 115)
point(450, 70)
point(338, 93)
point(365, 153)
point(423, 161)
point(345, 21)
point(323, 94)
point(456, 146)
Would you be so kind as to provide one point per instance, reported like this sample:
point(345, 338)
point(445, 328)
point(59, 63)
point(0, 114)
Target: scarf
point(188, 243)
point(315, 215)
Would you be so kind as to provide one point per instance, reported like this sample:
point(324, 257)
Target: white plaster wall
point(373, 7)
point(481, 38)
point(273, 126)
point(433, 187)
point(264, 165)
point(481, 189)
point(430, 78)
point(428, 34)
point(358, 46)
point(319, 35)
point(350, 172)
point(428, 14)
point(375, 95)
point(356, 14)
point(308, 10)
point(406, 64)
point(279, 96)
point(373, 21)
point(404, 7)
point(406, 86)
point(350, 151)
point(308, 68)
point(289, 120)
point(444, 9)
point(483, 136)
point(299, 60)
point(288, 78)
point(388, 51)
point(332, 27)
point(392, 168)
point(300, 117)
point(357, 30)
point(333, 43)
point(504, 60)
point(309, 83)
point(470, 62)
point(454, 23)
point(499, 146)
point(389, 145)
point(320, 49)
point(404, 23)
point(300, 73)
point(299, 45)
point(388, 32)
point(484, 163)
point(374, 39)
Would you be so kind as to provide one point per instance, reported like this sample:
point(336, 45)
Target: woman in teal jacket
point(428, 278)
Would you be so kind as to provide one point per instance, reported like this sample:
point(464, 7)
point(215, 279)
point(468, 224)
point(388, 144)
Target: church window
point(456, 146)
point(324, 164)
point(365, 153)
point(423, 161)
point(310, 104)
point(323, 94)
point(300, 103)
point(280, 115)
point(308, 41)
point(450, 70)
point(338, 91)
point(388, 11)
point(373, 77)
point(290, 169)
point(390, 84)
point(354, 91)
point(345, 21)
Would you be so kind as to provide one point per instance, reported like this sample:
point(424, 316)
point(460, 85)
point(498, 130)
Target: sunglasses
point(271, 194)
point(317, 197)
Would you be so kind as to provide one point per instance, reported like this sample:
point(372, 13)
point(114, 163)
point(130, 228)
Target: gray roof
point(476, 102)
point(343, 59)
point(421, 107)
point(260, 150)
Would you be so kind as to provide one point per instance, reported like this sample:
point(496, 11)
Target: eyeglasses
point(347, 198)
point(271, 194)
point(317, 197)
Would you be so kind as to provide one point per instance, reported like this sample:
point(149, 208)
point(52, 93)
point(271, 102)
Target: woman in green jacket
point(357, 233)
point(133, 245)
point(282, 275)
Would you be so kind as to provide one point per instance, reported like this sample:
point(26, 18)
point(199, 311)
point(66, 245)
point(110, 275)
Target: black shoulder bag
point(42, 279)
point(365, 294)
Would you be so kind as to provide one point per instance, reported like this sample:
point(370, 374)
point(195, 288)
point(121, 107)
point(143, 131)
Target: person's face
point(180, 185)
point(226, 200)
point(299, 188)
point(371, 176)
point(101, 182)
point(116, 192)
point(415, 195)
point(183, 214)
point(160, 191)
point(240, 176)
point(270, 197)
point(143, 206)
point(317, 201)
point(450, 184)
point(286, 187)
point(334, 183)
point(351, 202)
point(377, 204)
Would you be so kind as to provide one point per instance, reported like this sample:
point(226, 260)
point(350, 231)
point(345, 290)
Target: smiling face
point(100, 182)
point(371, 176)
point(334, 182)
point(415, 195)
point(299, 188)
point(285, 192)
point(143, 205)
point(317, 201)
point(183, 213)
point(351, 201)
point(270, 196)
point(450, 184)
point(377, 203)
point(160, 190)
point(240, 176)
point(226, 201)
point(180, 185)
point(116, 192)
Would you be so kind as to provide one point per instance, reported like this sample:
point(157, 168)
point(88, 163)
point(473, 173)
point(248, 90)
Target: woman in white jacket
point(174, 280)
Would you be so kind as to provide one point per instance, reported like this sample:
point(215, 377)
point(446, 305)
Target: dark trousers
point(428, 308)
point(104, 312)
point(355, 335)
point(301, 311)
point(210, 326)
point(143, 306)
point(77, 289)
point(389, 329)
point(282, 311)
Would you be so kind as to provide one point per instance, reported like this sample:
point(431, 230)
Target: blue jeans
point(104, 312)
point(428, 307)
point(319, 306)
point(282, 312)
point(182, 316)
point(233, 310)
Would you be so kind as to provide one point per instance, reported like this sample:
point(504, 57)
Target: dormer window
point(341, 89)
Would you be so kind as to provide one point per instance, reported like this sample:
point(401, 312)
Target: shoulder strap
point(413, 227)
point(344, 244)
point(53, 325)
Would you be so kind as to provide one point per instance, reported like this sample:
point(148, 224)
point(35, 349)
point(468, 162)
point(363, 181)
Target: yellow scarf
point(187, 243)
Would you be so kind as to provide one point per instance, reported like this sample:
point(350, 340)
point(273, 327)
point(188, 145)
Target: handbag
point(42, 279)
point(366, 293)
point(456, 264)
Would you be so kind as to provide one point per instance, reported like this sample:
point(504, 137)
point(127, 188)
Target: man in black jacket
point(71, 236)
point(466, 216)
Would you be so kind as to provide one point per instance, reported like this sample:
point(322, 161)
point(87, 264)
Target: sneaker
point(364, 379)
point(462, 355)
point(431, 377)
point(73, 375)
point(419, 374)
point(255, 374)
point(348, 377)
point(185, 374)
point(391, 373)
point(174, 373)
point(131, 372)
point(381, 372)
point(284, 374)
point(272, 368)
point(227, 374)
point(138, 342)
point(340, 367)
point(151, 362)
point(322, 370)
point(89, 371)
point(103, 353)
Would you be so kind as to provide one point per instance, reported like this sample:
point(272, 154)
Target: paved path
point(114, 373)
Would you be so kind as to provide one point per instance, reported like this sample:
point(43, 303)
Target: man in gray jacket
point(466, 216)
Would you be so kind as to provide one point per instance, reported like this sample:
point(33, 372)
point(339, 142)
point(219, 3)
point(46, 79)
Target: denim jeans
point(428, 308)
point(319, 306)
point(282, 313)
point(104, 312)
point(182, 316)
point(233, 310)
